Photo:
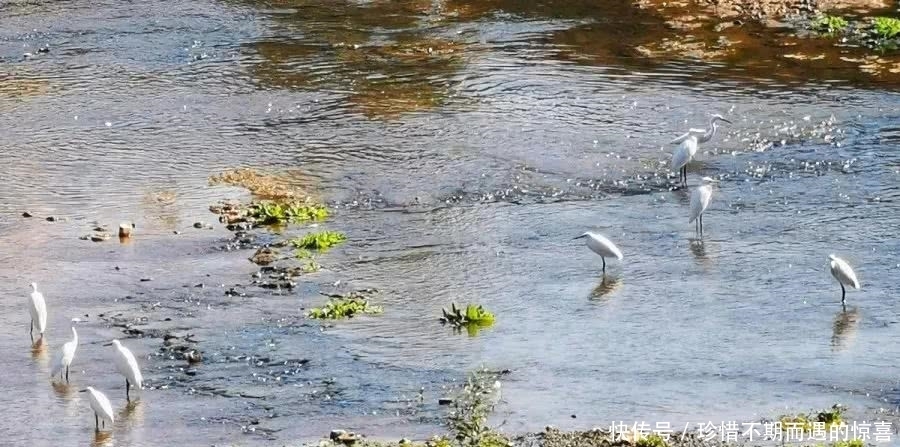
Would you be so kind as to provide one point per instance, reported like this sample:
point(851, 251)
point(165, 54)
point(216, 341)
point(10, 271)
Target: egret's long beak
point(723, 119)
point(579, 237)
point(83, 391)
point(107, 344)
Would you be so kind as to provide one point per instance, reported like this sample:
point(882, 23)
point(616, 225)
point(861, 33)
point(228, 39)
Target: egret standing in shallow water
point(700, 199)
point(38, 309)
point(128, 367)
point(65, 357)
point(602, 246)
point(844, 274)
point(689, 144)
point(103, 411)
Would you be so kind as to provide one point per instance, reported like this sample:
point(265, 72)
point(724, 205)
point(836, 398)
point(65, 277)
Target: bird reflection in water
point(62, 390)
point(133, 412)
point(698, 248)
point(846, 322)
point(608, 284)
point(102, 439)
point(39, 351)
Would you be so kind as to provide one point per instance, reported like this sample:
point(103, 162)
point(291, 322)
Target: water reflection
point(63, 390)
point(102, 438)
point(39, 351)
point(844, 328)
point(132, 412)
point(608, 284)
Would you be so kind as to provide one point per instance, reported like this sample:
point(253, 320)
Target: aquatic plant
point(827, 24)
point(269, 212)
point(311, 266)
point(652, 440)
point(473, 404)
point(319, 240)
point(343, 307)
point(850, 443)
point(803, 421)
point(474, 314)
point(885, 27)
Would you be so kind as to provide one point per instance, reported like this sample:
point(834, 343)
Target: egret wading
point(128, 367)
point(38, 309)
point(690, 142)
point(700, 199)
point(65, 357)
point(103, 411)
point(602, 246)
point(844, 275)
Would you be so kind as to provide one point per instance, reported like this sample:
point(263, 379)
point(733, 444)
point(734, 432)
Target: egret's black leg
point(31, 330)
point(96, 422)
point(701, 225)
point(604, 263)
point(843, 297)
point(127, 390)
point(67, 374)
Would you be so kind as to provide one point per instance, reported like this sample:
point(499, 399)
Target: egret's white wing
point(842, 271)
point(604, 247)
point(699, 201)
point(100, 404)
point(128, 366)
point(687, 134)
point(684, 152)
point(38, 311)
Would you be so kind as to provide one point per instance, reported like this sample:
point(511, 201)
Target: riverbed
point(460, 146)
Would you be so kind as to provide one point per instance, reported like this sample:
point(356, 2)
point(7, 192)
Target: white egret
point(65, 357)
point(700, 199)
point(602, 246)
point(38, 309)
point(128, 367)
point(689, 144)
point(844, 275)
point(103, 411)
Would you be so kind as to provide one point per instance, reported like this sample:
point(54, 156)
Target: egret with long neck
point(689, 144)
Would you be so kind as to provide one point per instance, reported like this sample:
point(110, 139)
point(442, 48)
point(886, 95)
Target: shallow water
point(459, 174)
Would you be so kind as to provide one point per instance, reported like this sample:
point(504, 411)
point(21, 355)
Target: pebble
point(100, 237)
point(199, 224)
point(27, 214)
point(445, 401)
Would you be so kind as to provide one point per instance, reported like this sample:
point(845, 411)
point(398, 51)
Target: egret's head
point(116, 343)
point(583, 235)
point(832, 257)
point(34, 286)
point(718, 117)
point(90, 388)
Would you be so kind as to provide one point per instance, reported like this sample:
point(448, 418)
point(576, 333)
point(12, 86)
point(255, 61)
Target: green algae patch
point(473, 318)
point(345, 306)
point(271, 212)
point(319, 240)
point(829, 25)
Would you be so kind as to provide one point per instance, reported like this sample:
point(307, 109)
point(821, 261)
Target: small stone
point(335, 434)
point(51, 219)
point(45, 49)
point(100, 237)
point(176, 232)
point(199, 224)
point(27, 214)
point(146, 279)
point(445, 401)
point(125, 229)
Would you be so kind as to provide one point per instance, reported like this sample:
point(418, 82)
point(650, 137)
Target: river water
point(462, 145)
